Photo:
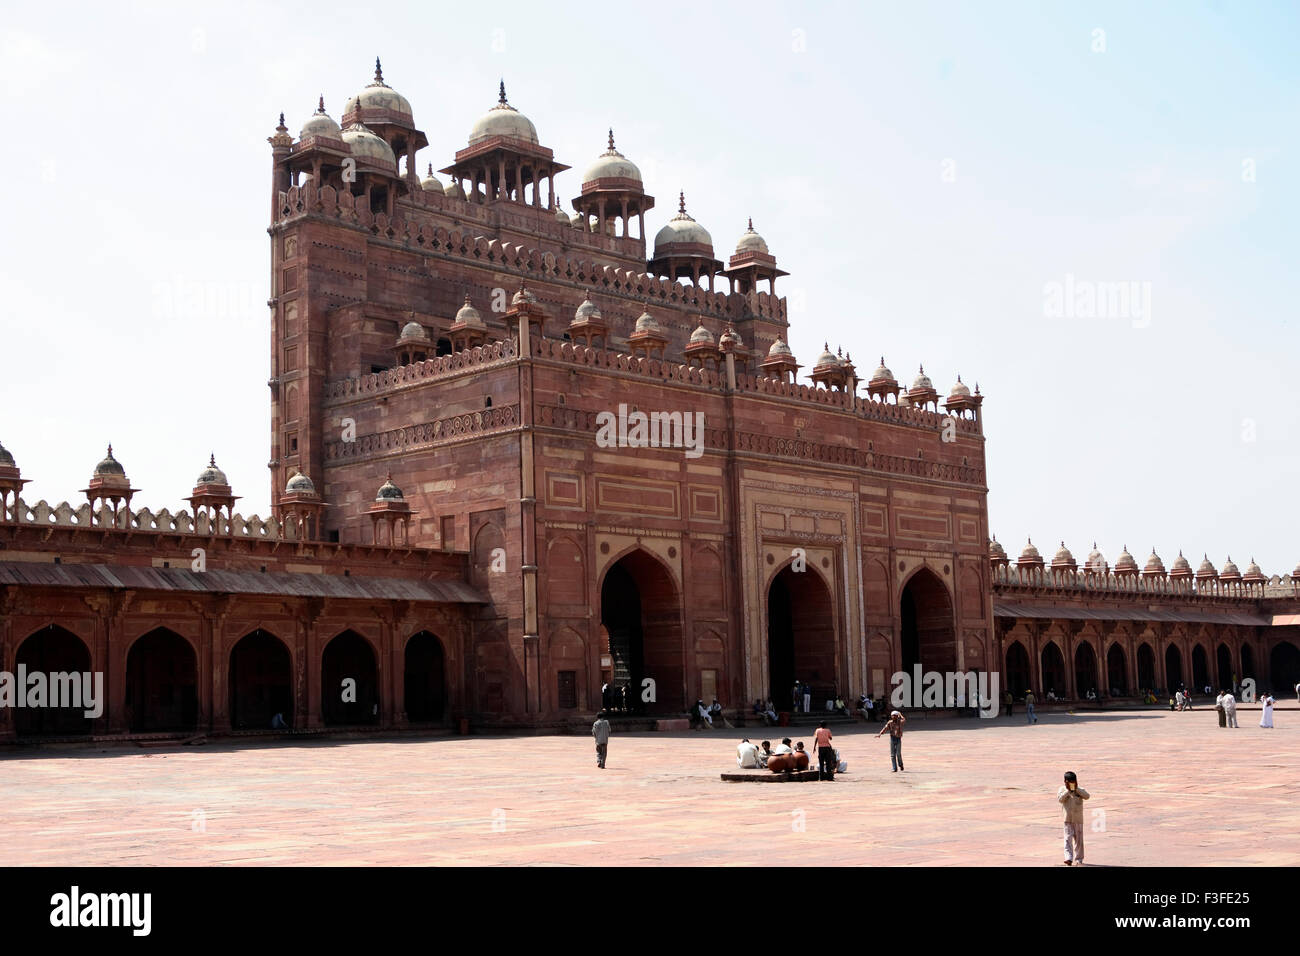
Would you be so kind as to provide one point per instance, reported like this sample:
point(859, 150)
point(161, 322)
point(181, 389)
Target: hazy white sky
point(929, 174)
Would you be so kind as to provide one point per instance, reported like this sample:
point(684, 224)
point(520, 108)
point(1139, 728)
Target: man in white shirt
point(1230, 708)
point(783, 747)
point(747, 755)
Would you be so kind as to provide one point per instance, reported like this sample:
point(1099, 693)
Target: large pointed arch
point(801, 642)
point(929, 633)
point(640, 607)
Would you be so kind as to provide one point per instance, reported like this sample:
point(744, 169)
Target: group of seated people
point(707, 718)
point(766, 711)
point(780, 758)
point(871, 710)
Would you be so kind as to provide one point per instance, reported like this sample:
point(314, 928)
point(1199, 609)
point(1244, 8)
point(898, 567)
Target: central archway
point(1284, 668)
point(929, 637)
point(1085, 671)
point(1224, 661)
point(1200, 669)
point(1053, 664)
point(1116, 672)
point(54, 650)
point(1146, 663)
point(349, 658)
point(641, 611)
point(800, 635)
point(1017, 670)
point(426, 681)
point(1173, 668)
point(261, 682)
point(162, 683)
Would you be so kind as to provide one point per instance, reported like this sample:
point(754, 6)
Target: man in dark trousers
point(825, 753)
point(895, 728)
point(600, 730)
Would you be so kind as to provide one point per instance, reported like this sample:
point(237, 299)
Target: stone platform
point(767, 776)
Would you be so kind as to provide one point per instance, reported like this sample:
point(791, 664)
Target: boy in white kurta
point(1071, 797)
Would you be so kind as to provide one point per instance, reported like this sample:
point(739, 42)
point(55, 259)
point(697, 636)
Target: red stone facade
point(454, 529)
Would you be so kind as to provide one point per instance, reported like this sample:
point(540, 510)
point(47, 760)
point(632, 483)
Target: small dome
point(364, 144)
point(562, 217)
point(503, 120)
point(212, 475)
point(524, 295)
point(904, 400)
point(960, 390)
point(110, 466)
point(320, 124)
point(682, 228)
point(1230, 570)
point(779, 350)
point(882, 374)
point(1206, 570)
point(646, 323)
point(432, 182)
point(389, 491)
point(1296, 573)
point(996, 550)
point(6, 459)
point(922, 381)
point(611, 164)
point(1096, 560)
point(588, 311)
point(1181, 563)
point(454, 190)
point(1253, 572)
point(378, 95)
point(1030, 555)
point(414, 330)
point(299, 484)
point(1154, 565)
point(468, 315)
point(702, 336)
point(827, 357)
point(1125, 561)
point(751, 241)
point(1063, 557)
point(730, 338)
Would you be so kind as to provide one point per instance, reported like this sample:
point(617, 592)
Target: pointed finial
point(611, 138)
point(281, 126)
point(212, 459)
point(320, 105)
point(922, 369)
point(839, 351)
point(751, 223)
point(501, 98)
point(958, 379)
point(379, 71)
point(431, 169)
point(467, 298)
point(977, 388)
point(110, 455)
point(681, 201)
point(826, 346)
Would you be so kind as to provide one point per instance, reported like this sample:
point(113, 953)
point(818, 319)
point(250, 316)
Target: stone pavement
point(1173, 789)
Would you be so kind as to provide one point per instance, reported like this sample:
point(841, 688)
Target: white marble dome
point(611, 164)
point(503, 120)
point(389, 491)
point(646, 323)
point(921, 381)
point(702, 336)
point(364, 144)
point(432, 182)
point(378, 95)
point(299, 484)
point(751, 241)
point(682, 228)
point(212, 475)
point(587, 311)
point(468, 315)
point(960, 389)
point(414, 330)
point(320, 124)
point(779, 349)
point(454, 190)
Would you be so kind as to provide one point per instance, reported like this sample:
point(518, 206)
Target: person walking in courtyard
point(1071, 797)
point(1218, 705)
point(1029, 707)
point(826, 759)
point(1266, 705)
point(895, 727)
point(600, 730)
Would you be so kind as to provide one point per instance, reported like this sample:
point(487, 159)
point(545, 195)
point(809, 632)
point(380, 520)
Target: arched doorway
point(800, 636)
point(929, 637)
point(640, 609)
point(1247, 663)
point(1017, 669)
point(426, 680)
point(1200, 669)
point(162, 681)
point(1284, 668)
point(1116, 671)
point(1146, 667)
point(1085, 670)
point(261, 682)
point(1053, 670)
point(1224, 667)
point(349, 681)
point(54, 650)
point(1173, 668)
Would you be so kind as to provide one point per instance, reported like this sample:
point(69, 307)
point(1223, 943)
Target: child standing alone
point(1071, 797)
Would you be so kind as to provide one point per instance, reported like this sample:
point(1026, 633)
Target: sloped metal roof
point(1192, 615)
point(354, 587)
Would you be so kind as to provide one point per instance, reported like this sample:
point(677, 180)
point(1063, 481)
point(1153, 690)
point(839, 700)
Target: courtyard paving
point(1167, 789)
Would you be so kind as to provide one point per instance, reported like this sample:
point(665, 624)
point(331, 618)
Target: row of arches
point(162, 682)
point(1167, 675)
point(641, 612)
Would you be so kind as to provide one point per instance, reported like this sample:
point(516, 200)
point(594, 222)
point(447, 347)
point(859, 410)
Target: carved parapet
point(443, 366)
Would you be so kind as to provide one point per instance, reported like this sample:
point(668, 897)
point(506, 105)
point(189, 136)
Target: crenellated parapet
point(419, 373)
point(1045, 581)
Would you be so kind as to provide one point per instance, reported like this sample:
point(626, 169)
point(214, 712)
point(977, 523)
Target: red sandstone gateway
point(449, 536)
